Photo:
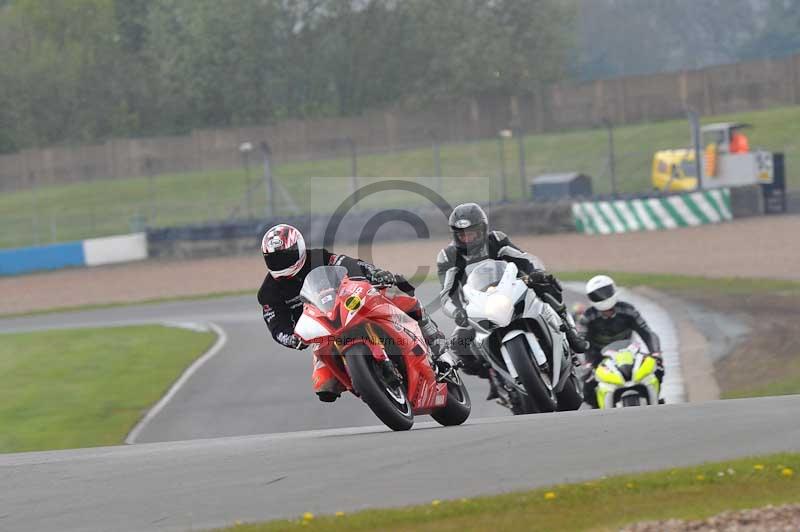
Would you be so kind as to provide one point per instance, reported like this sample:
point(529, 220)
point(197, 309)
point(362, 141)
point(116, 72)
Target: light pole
point(501, 147)
point(245, 148)
point(611, 161)
point(353, 166)
point(437, 161)
point(521, 143)
point(694, 123)
point(268, 181)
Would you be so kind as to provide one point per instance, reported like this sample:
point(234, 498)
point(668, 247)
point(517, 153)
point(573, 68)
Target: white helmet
point(284, 250)
point(602, 292)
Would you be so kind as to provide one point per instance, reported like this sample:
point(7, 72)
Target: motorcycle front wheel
point(521, 356)
point(389, 403)
point(632, 400)
point(458, 405)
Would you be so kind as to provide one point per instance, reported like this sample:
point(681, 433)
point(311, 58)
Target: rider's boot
point(437, 341)
point(590, 391)
point(330, 391)
point(326, 385)
point(493, 394)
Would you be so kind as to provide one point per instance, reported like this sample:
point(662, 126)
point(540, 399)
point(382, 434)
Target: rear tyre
point(520, 354)
point(570, 397)
point(458, 404)
point(389, 403)
point(632, 400)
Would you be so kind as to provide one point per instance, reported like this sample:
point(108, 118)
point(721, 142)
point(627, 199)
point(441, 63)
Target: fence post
point(521, 143)
point(611, 161)
point(151, 186)
point(694, 123)
point(268, 182)
point(36, 208)
point(92, 203)
point(501, 147)
point(245, 148)
point(353, 166)
point(437, 161)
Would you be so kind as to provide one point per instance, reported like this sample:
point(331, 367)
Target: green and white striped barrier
point(669, 212)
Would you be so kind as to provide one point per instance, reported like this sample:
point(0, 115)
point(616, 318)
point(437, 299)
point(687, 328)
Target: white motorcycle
point(520, 337)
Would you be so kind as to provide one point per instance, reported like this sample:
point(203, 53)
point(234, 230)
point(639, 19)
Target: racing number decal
point(352, 303)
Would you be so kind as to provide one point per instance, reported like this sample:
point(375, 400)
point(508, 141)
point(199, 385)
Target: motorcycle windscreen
point(321, 285)
point(619, 345)
point(486, 274)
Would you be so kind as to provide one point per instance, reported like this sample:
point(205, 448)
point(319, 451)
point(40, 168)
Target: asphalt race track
point(208, 483)
point(254, 387)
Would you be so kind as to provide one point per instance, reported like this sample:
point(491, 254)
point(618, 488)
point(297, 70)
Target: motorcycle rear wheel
point(390, 404)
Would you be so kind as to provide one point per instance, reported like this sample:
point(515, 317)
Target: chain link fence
point(258, 187)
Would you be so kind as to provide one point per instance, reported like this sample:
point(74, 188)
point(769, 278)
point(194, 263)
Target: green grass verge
point(103, 207)
point(151, 301)
point(604, 504)
point(787, 385)
point(86, 387)
point(682, 284)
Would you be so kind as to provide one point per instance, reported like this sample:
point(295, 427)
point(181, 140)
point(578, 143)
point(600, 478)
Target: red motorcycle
point(356, 327)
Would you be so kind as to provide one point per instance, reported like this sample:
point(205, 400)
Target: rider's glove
point(542, 278)
point(659, 360)
point(381, 277)
point(291, 341)
point(460, 317)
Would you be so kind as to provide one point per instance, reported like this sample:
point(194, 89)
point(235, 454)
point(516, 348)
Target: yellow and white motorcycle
point(626, 377)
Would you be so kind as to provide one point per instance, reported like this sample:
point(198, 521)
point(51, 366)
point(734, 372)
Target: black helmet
point(469, 225)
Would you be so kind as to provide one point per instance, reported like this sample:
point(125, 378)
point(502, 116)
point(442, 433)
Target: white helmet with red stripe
point(284, 250)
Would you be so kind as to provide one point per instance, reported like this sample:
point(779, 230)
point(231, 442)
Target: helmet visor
point(470, 235)
point(601, 294)
point(282, 259)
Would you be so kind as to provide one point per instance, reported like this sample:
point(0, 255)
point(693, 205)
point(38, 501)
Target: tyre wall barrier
point(650, 214)
point(91, 252)
point(356, 227)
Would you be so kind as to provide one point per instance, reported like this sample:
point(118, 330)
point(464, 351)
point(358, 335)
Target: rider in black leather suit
point(473, 242)
point(609, 320)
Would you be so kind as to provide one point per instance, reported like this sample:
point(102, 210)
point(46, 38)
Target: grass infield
point(87, 387)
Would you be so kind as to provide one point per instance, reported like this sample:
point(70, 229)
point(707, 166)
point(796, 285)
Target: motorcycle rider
point(289, 262)
point(473, 242)
point(609, 320)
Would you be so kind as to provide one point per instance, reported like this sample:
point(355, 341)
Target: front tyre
point(520, 354)
point(458, 405)
point(632, 400)
point(389, 403)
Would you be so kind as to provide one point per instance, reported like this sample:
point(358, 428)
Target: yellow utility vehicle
point(726, 161)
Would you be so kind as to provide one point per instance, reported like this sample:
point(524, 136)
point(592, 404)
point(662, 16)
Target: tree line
point(636, 37)
point(78, 71)
point(84, 70)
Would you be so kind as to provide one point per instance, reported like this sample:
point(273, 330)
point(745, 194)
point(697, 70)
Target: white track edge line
point(222, 339)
